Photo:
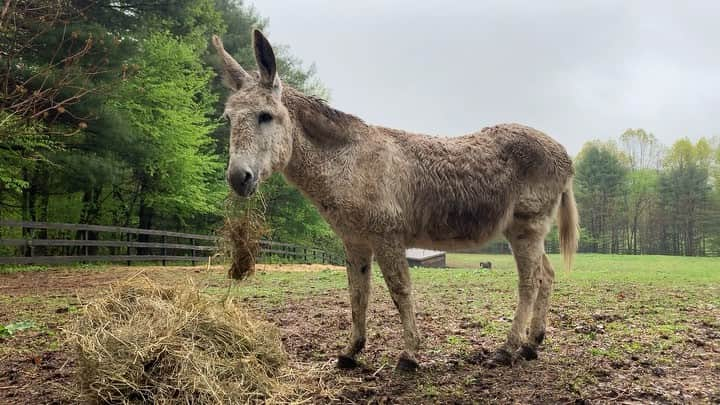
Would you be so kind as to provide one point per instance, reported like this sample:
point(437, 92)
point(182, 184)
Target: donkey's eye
point(264, 117)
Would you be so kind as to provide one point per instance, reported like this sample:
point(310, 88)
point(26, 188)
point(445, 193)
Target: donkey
point(383, 190)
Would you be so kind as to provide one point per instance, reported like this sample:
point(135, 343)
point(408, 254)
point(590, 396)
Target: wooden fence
point(60, 243)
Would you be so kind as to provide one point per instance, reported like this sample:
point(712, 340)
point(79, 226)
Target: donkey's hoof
point(501, 357)
point(346, 362)
point(528, 353)
point(406, 364)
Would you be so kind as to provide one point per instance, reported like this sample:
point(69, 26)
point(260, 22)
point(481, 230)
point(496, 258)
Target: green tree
point(61, 61)
point(167, 105)
point(644, 155)
point(713, 230)
point(108, 115)
point(642, 149)
point(600, 183)
point(685, 196)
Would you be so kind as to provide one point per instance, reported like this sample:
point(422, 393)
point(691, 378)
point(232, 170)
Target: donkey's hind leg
point(526, 239)
point(545, 279)
point(359, 273)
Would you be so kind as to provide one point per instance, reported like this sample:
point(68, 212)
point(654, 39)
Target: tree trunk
point(145, 221)
point(90, 215)
point(43, 209)
point(28, 208)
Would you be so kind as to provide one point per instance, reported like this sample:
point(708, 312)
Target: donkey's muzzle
point(242, 181)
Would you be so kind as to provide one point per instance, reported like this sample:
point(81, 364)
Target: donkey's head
point(260, 126)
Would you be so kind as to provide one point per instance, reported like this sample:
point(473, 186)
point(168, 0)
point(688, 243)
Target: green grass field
point(660, 273)
point(621, 328)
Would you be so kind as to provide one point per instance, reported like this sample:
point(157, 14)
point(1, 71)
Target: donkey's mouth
point(246, 190)
point(243, 188)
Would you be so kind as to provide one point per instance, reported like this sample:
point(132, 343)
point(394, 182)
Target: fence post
point(193, 251)
point(127, 239)
point(30, 250)
point(164, 250)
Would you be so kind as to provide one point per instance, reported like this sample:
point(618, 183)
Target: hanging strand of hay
point(241, 232)
point(143, 343)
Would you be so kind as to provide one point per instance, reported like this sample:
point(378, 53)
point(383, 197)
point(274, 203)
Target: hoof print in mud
point(407, 365)
point(346, 362)
point(528, 353)
point(500, 358)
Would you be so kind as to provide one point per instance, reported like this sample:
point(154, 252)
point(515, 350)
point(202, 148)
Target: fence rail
point(30, 243)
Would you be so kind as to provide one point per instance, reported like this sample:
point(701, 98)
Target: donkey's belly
point(456, 229)
point(454, 244)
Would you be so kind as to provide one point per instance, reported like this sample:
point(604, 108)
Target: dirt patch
point(72, 280)
point(314, 330)
point(36, 378)
point(602, 346)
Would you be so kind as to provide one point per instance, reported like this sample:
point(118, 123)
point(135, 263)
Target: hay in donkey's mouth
point(143, 343)
point(241, 234)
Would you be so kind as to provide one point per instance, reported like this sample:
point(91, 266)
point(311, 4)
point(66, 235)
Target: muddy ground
point(608, 342)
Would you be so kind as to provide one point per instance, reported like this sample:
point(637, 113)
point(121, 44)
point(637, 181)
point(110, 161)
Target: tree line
point(637, 196)
point(109, 115)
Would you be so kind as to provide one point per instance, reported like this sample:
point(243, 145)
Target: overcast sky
point(577, 70)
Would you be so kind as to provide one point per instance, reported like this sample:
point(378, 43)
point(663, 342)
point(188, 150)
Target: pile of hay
point(143, 343)
point(241, 233)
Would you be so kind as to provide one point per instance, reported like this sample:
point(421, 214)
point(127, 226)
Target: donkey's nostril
point(240, 179)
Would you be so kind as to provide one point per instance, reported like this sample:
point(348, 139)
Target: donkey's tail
point(568, 225)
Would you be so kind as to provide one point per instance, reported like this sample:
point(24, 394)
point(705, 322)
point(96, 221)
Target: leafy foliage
point(19, 326)
point(601, 178)
point(21, 144)
point(167, 105)
point(109, 115)
point(649, 199)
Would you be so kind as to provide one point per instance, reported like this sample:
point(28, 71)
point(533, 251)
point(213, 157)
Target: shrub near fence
point(58, 243)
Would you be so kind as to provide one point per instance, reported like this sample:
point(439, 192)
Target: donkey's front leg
point(394, 267)
point(359, 273)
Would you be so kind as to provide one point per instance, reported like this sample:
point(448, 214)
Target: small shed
point(425, 258)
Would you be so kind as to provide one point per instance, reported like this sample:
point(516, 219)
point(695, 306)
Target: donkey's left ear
point(265, 58)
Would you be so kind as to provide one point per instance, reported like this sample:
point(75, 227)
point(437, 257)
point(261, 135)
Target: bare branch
point(5, 9)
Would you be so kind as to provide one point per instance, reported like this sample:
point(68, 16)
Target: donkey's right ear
point(235, 75)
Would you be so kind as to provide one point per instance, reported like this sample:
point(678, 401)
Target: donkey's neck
point(324, 143)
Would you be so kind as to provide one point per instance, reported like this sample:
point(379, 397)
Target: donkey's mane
point(313, 106)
